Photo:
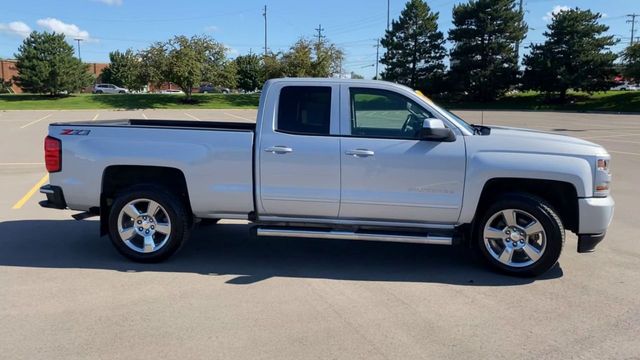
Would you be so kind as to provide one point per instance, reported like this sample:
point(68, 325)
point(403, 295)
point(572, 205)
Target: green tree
point(5, 86)
point(125, 69)
point(298, 61)
point(631, 59)
point(273, 66)
point(575, 55)
point(414, 47)
point(248, 72)
point(327, 58)
point(308, 59)
point(228, 76)
point(186, 62)
point(46, 65)
point(483, 58)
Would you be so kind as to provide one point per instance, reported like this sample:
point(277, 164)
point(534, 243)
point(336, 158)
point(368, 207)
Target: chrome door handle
point(360, 153)
point(279, 149)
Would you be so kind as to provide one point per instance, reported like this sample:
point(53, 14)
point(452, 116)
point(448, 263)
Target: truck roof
point(362, 82)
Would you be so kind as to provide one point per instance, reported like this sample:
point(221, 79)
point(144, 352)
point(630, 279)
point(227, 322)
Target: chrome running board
point(350, 235)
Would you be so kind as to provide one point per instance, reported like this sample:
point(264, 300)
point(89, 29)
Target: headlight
point(602, 178)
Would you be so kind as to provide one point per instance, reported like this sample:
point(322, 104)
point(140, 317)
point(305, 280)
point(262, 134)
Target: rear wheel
point(99, 91)
point(520, 235)
point(148, 225)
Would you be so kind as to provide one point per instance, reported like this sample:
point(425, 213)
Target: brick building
point(8, 71)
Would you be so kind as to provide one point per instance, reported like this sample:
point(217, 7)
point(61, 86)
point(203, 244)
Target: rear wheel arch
point(119, 178)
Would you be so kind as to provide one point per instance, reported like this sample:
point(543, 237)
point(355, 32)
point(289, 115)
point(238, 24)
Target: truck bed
point(215, 158)
point(175, 124)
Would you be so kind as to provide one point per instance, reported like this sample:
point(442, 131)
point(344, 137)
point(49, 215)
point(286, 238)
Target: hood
point(515, 139)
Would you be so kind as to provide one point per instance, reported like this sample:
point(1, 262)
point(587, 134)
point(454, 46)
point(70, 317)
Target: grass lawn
point(614, 101)
point(127, 101)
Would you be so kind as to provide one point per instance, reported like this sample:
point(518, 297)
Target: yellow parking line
point(30, 193)
point(35, 121)
point(191, 116)
point(96, 117)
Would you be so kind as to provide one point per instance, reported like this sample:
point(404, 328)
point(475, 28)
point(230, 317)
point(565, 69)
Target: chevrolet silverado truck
point(336, 159)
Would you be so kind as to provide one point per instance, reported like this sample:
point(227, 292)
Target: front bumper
point(55, 197)
point(594, 219)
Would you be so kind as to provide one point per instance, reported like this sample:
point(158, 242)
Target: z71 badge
point(75, 132)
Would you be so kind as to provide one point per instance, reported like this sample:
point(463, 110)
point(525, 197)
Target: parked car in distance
point(211, 89)
point(336, 159)
point(171, 92)
point(626, 86)
point(109, 89)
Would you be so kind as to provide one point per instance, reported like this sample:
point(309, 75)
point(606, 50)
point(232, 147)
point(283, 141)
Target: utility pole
point(633, 23)
point(377, 56)
point(78, 40)
point(319, 29)
point(388, 10)
point(264, 13)
point(521, 10)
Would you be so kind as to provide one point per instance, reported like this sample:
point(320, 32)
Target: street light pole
point(78, 40)
point(388, 9)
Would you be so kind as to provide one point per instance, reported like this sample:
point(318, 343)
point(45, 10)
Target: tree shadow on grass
point(229, 250)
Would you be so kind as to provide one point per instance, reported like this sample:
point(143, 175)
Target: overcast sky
point(107, 25)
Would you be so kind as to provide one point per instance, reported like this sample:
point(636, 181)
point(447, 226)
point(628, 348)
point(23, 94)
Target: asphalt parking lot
point(66, 293)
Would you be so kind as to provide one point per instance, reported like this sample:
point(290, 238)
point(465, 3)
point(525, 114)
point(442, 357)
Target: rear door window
point(304, 110)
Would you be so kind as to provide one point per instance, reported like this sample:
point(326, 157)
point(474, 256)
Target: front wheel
point(148, 224)
point(520, 235)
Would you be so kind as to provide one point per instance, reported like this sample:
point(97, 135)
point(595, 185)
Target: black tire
point(175, 210)
point(542, 212)
point(121, 92)
point(99, 91)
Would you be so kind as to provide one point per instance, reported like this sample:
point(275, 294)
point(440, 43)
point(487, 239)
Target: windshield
point(451, 116)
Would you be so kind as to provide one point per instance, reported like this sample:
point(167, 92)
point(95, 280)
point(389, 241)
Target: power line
point(633, 23)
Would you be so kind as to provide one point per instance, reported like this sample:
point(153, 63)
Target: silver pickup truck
point(336, 159)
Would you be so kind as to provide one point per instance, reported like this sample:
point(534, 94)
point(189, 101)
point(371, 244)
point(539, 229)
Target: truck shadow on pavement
point(226, 249)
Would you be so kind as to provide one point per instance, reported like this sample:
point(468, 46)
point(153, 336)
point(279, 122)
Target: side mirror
point(435, 130)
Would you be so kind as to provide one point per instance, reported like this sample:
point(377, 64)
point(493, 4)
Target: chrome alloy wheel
point(144, 226)
point(514, 237)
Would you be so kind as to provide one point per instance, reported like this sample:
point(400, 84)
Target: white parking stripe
point(620, 141)
point(144, 116)
point(609, 136)
point(623, 152)
point(191, 116)
point(238, 116)
point(21, 164)
point(96, 117)
point(35, 121)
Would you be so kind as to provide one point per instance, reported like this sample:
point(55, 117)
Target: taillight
point(53, 154)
